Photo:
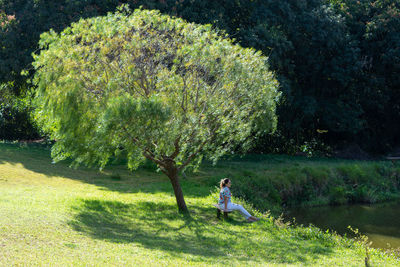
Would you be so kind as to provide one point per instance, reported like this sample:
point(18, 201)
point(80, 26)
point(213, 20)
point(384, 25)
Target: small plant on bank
point(363, 240)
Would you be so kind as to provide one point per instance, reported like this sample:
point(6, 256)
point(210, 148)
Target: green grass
point(53, 215)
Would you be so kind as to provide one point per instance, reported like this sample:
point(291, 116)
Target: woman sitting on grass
point(226, 204)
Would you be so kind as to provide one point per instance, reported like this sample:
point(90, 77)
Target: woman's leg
point(233, 206)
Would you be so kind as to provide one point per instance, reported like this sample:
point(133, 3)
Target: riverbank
point(273, 182)
point(53, 215)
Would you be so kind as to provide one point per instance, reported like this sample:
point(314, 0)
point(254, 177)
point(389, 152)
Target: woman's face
point(228, 184)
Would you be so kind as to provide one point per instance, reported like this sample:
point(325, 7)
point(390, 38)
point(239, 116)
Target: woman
point(226, 204)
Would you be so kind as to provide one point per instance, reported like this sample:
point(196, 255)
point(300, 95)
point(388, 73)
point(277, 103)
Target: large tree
point(375, 26)
point(148, 86)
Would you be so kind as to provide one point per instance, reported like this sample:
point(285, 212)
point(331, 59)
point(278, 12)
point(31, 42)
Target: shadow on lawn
point(157, 226)
point(115, 177)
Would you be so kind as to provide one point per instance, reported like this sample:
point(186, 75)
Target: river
point(380, 222)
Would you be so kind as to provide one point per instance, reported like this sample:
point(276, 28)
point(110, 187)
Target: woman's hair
point(224, 182)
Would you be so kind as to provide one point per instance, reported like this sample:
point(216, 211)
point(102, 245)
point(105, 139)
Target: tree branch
point(146, 152)
point(183, 95)
point(177, 148)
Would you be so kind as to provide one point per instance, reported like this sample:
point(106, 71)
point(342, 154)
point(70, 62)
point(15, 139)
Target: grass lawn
point(53, 215)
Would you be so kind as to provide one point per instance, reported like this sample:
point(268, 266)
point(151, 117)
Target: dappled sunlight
point(33, 165)
point(122, 216)
point(156, 225)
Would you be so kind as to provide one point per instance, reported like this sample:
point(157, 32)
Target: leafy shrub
point(356, 174)
point(337, 195)
point(319, 177)
point(363, 194)
point(15, 121)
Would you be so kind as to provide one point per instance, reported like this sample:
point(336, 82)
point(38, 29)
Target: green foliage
point(148, 85)
point(337, 195)
point(336, 60)
point(374, 25)
point(15, 120)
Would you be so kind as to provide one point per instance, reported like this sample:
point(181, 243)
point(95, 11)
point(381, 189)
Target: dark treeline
point(338, 62)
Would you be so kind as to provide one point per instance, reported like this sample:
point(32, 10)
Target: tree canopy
point(151, 86)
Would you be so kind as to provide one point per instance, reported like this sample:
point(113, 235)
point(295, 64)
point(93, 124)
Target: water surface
point(380, 222)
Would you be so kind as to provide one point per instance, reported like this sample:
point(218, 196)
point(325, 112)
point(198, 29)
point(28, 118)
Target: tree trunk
point(173, 176)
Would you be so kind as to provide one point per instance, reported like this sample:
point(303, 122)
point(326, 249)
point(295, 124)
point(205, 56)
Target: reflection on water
point(380, 222)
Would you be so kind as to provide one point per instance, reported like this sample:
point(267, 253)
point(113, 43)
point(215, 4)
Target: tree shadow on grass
point(116, 177)
point(157, 226)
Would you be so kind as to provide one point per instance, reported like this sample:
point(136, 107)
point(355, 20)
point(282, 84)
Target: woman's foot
point(252, 219)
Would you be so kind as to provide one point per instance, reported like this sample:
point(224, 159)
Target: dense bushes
point(337, 184)
point(16, 123)
point(15, 120)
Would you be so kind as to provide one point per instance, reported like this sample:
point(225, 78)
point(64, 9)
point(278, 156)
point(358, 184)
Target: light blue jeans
point(233, 206)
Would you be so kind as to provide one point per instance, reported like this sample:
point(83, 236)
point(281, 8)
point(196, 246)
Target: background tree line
point(337, 62)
